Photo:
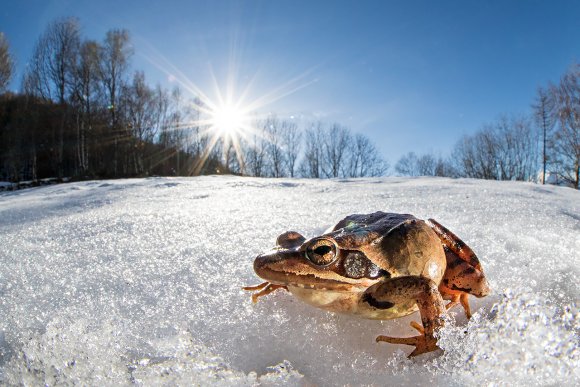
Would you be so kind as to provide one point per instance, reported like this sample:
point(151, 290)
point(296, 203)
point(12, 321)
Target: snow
point(5, 185)
point(137, 282)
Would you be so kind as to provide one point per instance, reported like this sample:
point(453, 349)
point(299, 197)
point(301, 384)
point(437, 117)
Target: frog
point(377, 266)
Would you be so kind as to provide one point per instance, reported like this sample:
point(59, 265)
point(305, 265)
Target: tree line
point(528, 148)
point(83, 113)
point(317, 151)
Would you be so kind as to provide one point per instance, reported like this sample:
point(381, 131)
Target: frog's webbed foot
point(423, 343)
point(264, 288)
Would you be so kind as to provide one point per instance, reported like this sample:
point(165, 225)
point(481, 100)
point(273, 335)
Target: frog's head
point(317, 263)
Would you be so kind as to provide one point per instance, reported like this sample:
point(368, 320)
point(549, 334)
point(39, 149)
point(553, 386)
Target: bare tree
point(291, 142)
point(503, 150)
point(190, 121)
point(143, 106)
point(514, 146)
point(426, 165)
point(52, 71)
point(477, 155)
point(140, 107)
point(525, 149)
point(272, 128)
point(543, 109)
point(53, 62)
point(113, 72)
point(567, 136)
point(256, 157)
point(86, 98)
point(364, 159)
point(6, 63)
point(445, 168)
point(336, 141)
point(312, 161)
point(176, 131)
point(407, 165)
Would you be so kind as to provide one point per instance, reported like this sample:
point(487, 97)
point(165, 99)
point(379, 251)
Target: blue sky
point(411, 75)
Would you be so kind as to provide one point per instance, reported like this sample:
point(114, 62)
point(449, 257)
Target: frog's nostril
point(263, 261)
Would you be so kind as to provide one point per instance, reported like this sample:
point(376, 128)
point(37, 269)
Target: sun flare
point(226, 125)
point(228, 120)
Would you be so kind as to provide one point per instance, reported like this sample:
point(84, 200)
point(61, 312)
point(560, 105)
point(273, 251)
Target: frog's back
point(400, 244)
point(410, 248)
point(379, 221)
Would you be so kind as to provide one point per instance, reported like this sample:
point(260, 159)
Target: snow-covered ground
point(138, 282)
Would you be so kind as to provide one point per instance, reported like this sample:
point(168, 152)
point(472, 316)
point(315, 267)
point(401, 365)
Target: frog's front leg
point(264, 288)
point(425, 293)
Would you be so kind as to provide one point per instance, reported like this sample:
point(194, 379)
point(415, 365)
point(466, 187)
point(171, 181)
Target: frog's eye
point(321, 252)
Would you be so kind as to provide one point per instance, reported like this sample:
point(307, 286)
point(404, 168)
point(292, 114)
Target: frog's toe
point(265, 288)
point(464, 300)
point(454, 302)
point(460, 298)
point(256, 287)
point(422, 343)
point(418, 327)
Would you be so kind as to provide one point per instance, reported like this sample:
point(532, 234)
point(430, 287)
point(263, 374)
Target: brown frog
point(378, 266)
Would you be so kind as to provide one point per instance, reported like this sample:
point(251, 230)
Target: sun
point(227, 125)
point(229, 120)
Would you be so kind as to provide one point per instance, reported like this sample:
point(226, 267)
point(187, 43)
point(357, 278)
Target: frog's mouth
point(291, 269)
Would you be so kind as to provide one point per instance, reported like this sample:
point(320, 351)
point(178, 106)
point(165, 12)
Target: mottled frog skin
point(378, 266)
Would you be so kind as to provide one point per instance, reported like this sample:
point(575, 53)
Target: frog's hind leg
point(459, 280)
point(431, 307)
point(463, 274)
point(264, 288)
point(455, 244)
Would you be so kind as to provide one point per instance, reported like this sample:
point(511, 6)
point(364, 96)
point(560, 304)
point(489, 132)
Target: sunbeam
point(230, 115)
point(227, 120)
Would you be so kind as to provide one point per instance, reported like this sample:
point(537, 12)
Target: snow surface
point(138, 282)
